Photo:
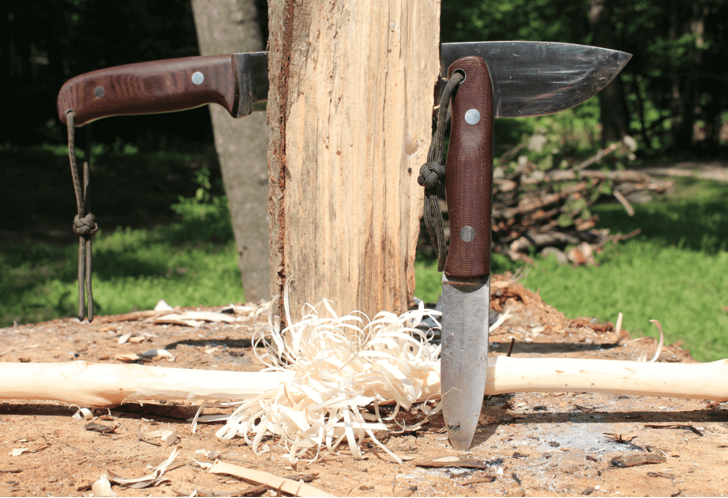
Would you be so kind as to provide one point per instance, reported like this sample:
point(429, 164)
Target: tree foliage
point(673, 88)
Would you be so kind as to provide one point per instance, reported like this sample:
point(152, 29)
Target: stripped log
point(100, 385)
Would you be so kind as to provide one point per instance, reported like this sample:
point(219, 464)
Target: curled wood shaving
point(341, 364)
point(662, 341)
point(153, 479)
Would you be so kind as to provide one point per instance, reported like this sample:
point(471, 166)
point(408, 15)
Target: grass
point(180, 247)
point(181, 250)
point(676, 271)
point(133, 269)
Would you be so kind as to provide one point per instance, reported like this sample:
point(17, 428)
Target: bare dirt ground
point(528, 444)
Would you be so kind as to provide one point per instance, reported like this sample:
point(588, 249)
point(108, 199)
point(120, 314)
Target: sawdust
point(528, 444)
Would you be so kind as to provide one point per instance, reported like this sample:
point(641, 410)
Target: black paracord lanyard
point(84, 223)
point(432, 173)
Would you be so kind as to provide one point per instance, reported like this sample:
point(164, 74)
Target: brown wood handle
point(469, 171)
point(150, 88)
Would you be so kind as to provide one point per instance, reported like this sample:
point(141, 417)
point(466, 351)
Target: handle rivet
point(99, 92)
point(472, 117)
point(467, 233)
point(198, 78)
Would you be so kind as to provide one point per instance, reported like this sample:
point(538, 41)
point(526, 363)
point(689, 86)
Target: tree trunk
point(224, 27)
point(350, 116)
point(615, 123)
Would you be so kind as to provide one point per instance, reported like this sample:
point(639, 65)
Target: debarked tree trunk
point(350, 116)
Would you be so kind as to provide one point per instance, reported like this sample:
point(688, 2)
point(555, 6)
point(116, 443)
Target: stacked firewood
point(548, 209)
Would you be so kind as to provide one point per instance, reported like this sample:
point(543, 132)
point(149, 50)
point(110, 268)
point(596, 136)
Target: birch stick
point(99, 385)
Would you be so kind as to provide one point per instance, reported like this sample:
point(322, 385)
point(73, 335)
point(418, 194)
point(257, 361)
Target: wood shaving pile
point(340, 365)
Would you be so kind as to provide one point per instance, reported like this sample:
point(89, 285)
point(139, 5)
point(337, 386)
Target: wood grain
point(350, 113)
point(149, 88)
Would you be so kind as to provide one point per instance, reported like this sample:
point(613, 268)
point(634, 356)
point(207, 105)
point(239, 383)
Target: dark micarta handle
point(469, 172)
point(150, 88)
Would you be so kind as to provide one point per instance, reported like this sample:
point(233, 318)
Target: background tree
point(224, 27)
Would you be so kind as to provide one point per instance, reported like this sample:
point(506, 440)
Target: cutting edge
point(464, 355)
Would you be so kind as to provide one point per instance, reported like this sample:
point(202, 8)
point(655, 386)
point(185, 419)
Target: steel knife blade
point(529, 71)
point(529, 78)
point(466, 276)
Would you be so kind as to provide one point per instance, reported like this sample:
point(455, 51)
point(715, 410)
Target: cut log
point(108, 385)
point(350, 115)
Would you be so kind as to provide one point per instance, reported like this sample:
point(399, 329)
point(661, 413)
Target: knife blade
point(486, 92)
point(466, 276)
point(529, 78)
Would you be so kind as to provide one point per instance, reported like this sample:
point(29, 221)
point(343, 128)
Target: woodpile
point(549, 209)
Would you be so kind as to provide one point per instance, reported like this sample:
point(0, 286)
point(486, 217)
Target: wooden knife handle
point(150, 88)
point(469, 171)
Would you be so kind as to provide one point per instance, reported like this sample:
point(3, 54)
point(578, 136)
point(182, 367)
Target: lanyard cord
point(84, 223)
point(432, 173)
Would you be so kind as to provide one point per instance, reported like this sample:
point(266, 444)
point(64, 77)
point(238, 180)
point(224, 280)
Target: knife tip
point(459, 439)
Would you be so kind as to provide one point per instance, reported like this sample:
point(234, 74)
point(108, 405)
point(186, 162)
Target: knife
point(529, 79)
point(547, 78)
point(502, 79)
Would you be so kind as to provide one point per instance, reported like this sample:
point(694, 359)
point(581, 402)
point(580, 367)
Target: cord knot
point(86, 225)
point(432, 175)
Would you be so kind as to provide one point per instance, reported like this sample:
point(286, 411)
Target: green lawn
point(676, 271)
point(133, 269)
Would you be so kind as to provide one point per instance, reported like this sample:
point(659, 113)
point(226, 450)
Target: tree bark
point(350, 114)
point(614, 118)
point(224, 27)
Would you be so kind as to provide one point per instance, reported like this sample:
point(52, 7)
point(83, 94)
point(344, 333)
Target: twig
point(624, 202)
point(510, 153)
point(510, 347)
point(618, 328)
point(597, 157)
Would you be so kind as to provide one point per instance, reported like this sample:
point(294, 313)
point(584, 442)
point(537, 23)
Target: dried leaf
point(101, 428)
point(636, 460)
point(137, 339)
point(620, 438)
point(128, 357)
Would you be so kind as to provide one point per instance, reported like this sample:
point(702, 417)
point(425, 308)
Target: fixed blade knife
point(468, 187)
point(529, 79)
